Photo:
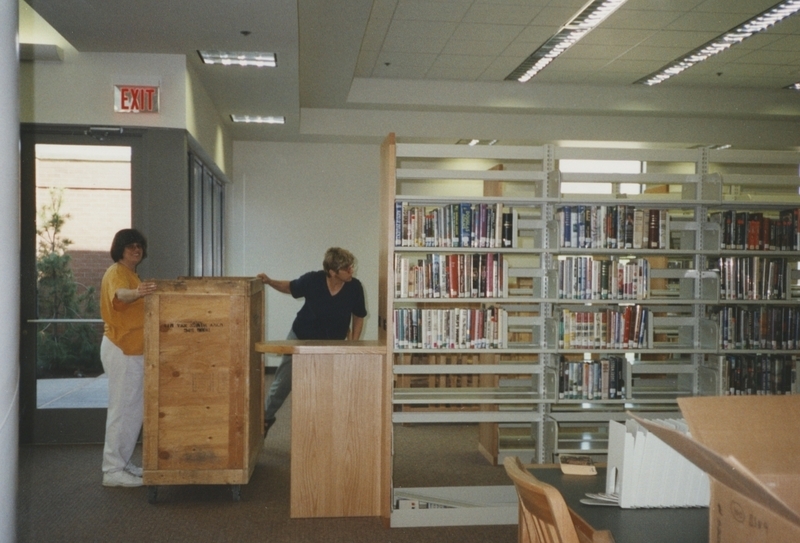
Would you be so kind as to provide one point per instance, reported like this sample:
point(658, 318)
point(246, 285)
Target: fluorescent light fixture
point(239, 58)
point(257, 119)
point(473, 142)
point(760, 22)
point(581, 24)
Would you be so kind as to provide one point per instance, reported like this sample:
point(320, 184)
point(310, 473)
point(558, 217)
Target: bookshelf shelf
point(676, 246)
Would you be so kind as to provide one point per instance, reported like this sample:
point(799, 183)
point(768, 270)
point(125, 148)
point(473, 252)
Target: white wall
point(9, 272)
point(80, 90)
point(288, 203)
point(204, 122)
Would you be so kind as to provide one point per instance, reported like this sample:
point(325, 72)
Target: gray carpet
point(61, 498)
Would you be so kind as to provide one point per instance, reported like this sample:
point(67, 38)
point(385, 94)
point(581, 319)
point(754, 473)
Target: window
point(207, 201)
point(600, 166)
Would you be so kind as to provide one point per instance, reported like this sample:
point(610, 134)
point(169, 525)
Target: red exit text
point(135, 99)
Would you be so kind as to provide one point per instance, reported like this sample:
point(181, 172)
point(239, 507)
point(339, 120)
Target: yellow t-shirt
point(124, 323)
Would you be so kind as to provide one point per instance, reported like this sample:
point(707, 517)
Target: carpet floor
point(61, 498)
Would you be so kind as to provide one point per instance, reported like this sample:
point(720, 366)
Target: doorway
point(76, 193)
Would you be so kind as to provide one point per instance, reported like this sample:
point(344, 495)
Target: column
point(9, 269)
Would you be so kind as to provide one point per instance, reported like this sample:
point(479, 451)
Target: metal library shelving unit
point(539, 315)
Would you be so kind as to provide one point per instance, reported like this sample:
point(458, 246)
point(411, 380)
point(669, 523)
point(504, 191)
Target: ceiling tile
point(640, 19)
point(375, 34)
point(425, 10)
point(383, 9)
point(661, 54)
point(487, 32)
point(767, 57)
point(366, 62)
point(617, 36)
point(447, 73)
point(786, 43)
point(499, 69)
point(581, 50)
point(472, 47)
point(399, 72)
point(701, 21)
point(417, 60)
point(747, 7)
point(555, 17)
point(502, 14)
point(536, 34)
point(661, 5)
point(418, 36)
point(678, 38)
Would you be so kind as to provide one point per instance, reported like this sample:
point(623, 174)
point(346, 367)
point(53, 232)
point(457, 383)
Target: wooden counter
point(341, 427)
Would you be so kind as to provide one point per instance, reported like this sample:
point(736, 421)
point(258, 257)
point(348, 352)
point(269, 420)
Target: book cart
point(554, 313)
point(203, 384)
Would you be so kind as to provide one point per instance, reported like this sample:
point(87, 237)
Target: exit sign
point(135, 99)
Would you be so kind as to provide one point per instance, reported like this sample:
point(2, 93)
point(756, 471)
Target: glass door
point(76, 195)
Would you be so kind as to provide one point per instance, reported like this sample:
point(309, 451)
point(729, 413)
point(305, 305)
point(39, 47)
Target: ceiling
point(449, 55)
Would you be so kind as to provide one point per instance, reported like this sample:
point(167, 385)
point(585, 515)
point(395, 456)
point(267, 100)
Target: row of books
point(450, 328)
point(620, 328)
point(584, 278)
point(464, 275)
point(613, 227)
point(747, 230)
point(453, 225)
point(602, 379)
point(776, 328)
point(752, 278)
point(758, 375)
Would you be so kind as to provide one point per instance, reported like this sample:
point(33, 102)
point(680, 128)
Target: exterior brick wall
point(96, 197)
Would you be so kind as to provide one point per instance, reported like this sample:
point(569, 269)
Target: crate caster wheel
point(152, 494)
point(236, 492)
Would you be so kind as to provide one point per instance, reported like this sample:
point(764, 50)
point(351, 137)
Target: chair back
point(543, 515)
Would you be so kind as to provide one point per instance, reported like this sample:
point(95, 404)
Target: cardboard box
point(750, 446)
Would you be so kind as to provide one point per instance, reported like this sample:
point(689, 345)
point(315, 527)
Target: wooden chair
point(544, 516)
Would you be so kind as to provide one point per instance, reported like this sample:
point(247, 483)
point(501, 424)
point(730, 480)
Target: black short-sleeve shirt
point(324, 316)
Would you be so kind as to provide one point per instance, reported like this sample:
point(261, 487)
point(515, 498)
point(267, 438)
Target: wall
point(80, 91)
point(205, 124)
point(288, 203)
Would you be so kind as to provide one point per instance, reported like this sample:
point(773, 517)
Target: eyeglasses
point(134, 246)
point(350, 268)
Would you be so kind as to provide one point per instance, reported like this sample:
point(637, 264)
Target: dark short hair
point(126, 237)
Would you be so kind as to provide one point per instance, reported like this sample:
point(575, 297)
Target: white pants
point(125, 404)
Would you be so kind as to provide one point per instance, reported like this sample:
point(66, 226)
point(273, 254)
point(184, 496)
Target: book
point(653, 228)
point(465, 223)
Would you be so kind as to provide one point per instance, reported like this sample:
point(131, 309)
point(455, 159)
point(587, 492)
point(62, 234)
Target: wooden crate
point(204, 381)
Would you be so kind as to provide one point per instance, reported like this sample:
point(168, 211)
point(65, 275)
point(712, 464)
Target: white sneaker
point(134, 470)
point(121, 478)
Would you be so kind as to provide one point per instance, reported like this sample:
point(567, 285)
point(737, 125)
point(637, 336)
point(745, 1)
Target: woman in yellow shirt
point(122, 353)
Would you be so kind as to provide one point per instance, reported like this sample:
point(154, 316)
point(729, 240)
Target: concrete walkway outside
point(83, 392)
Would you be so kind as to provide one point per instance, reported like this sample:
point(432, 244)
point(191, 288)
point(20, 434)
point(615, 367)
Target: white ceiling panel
point(323, 45)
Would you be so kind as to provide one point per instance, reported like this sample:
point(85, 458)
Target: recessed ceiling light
point(257, 119)
point(582, 23)
point(749, 28)
point(239, 58)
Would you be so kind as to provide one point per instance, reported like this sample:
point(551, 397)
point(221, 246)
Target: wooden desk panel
point(336, 435)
